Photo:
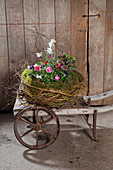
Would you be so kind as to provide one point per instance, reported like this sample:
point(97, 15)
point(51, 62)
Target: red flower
point(46, 62)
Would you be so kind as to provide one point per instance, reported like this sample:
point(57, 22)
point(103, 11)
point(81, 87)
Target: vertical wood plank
point(79, 34)
point(31, 21)
point(15, 32)
point(47, 22)
point(63, 27)
point(96, 46)
point(3, 55)
point(108, 72)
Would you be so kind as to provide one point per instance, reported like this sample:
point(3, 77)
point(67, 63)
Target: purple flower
point(64, 67)
point(65, 58)
point(49, 56)
point(68, 71)
point(69, 62)
point(61, 60)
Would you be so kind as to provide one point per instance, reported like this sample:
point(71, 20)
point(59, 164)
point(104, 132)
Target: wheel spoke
point(42, 120)
point(47, 132)
point(36, 116)
point(47, 121)
point(27, 132)
point(27, 121)
point(36, 138)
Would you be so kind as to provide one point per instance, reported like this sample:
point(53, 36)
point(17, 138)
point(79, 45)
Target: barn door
point(100, 48)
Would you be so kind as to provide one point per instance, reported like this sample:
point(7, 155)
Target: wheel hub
point(37, 126)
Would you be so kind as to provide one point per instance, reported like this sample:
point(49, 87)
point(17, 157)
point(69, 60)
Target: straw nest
point(55, 95)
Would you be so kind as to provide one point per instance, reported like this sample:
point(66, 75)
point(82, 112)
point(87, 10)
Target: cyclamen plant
point(52, 68)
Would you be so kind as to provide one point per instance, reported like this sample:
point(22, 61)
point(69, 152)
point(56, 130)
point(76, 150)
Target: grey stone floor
point(73, 149)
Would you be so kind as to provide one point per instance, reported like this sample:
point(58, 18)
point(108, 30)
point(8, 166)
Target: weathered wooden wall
point(62, 20)
point(58, 19)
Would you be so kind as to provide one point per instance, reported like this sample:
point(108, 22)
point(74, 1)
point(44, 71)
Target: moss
point(28, 80)
point(56, 94)
point(25, 73)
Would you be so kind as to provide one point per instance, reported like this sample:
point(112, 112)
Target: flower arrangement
point(53, 80)
point(50, 69)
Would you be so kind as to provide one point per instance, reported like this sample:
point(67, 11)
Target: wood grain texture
point(31, 22)
point(108, 63)
point(96, 46)
point(47, 22)
point(79, 34)
point(3, 56)
point(15, 32)
point(63, 26)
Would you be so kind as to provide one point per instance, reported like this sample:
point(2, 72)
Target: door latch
point(96, 15)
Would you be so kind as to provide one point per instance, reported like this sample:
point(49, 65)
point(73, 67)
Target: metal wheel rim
point(50, 112)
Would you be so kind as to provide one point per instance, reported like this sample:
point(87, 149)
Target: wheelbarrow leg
point(94, 124)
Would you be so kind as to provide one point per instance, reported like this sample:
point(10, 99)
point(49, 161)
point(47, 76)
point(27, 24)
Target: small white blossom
point(28, 67)
point(39, 54)
point(51, 43)
point(38, 77)
point(49, 50)
point(52, 40)
point(35, 65)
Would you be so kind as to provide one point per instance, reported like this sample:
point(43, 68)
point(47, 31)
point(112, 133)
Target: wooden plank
point(96, 47)
point(63, 27)
point(108, 63)
point(79, 34)
point(15, 33)
point(31, 21)
point(3, 55)
point(47, 22)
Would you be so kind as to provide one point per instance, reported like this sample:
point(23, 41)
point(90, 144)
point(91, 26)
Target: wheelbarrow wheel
point(43, 130)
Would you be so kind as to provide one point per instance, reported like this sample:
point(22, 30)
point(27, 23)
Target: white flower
point(52, 40)
point(38, 77)
point(49, 50)
point(39, 54)
point(51, 43)
point(35, 65)
point(28, 67)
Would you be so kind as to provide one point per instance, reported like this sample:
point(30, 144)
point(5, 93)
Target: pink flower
point(57, 77)
point(49, 70)
point(49, 56)
point(37, 67)
point(58, 65)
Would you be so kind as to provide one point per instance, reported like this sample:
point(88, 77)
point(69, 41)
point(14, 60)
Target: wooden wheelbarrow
point(38, 127)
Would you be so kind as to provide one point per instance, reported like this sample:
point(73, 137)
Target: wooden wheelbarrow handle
point(98, 96)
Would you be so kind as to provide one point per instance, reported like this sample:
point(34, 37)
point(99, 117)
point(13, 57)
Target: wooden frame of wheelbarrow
point(36, 125)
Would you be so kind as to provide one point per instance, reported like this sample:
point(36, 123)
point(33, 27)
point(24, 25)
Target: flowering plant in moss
point(51, 68)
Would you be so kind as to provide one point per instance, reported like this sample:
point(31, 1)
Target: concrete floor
point(73, 149)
